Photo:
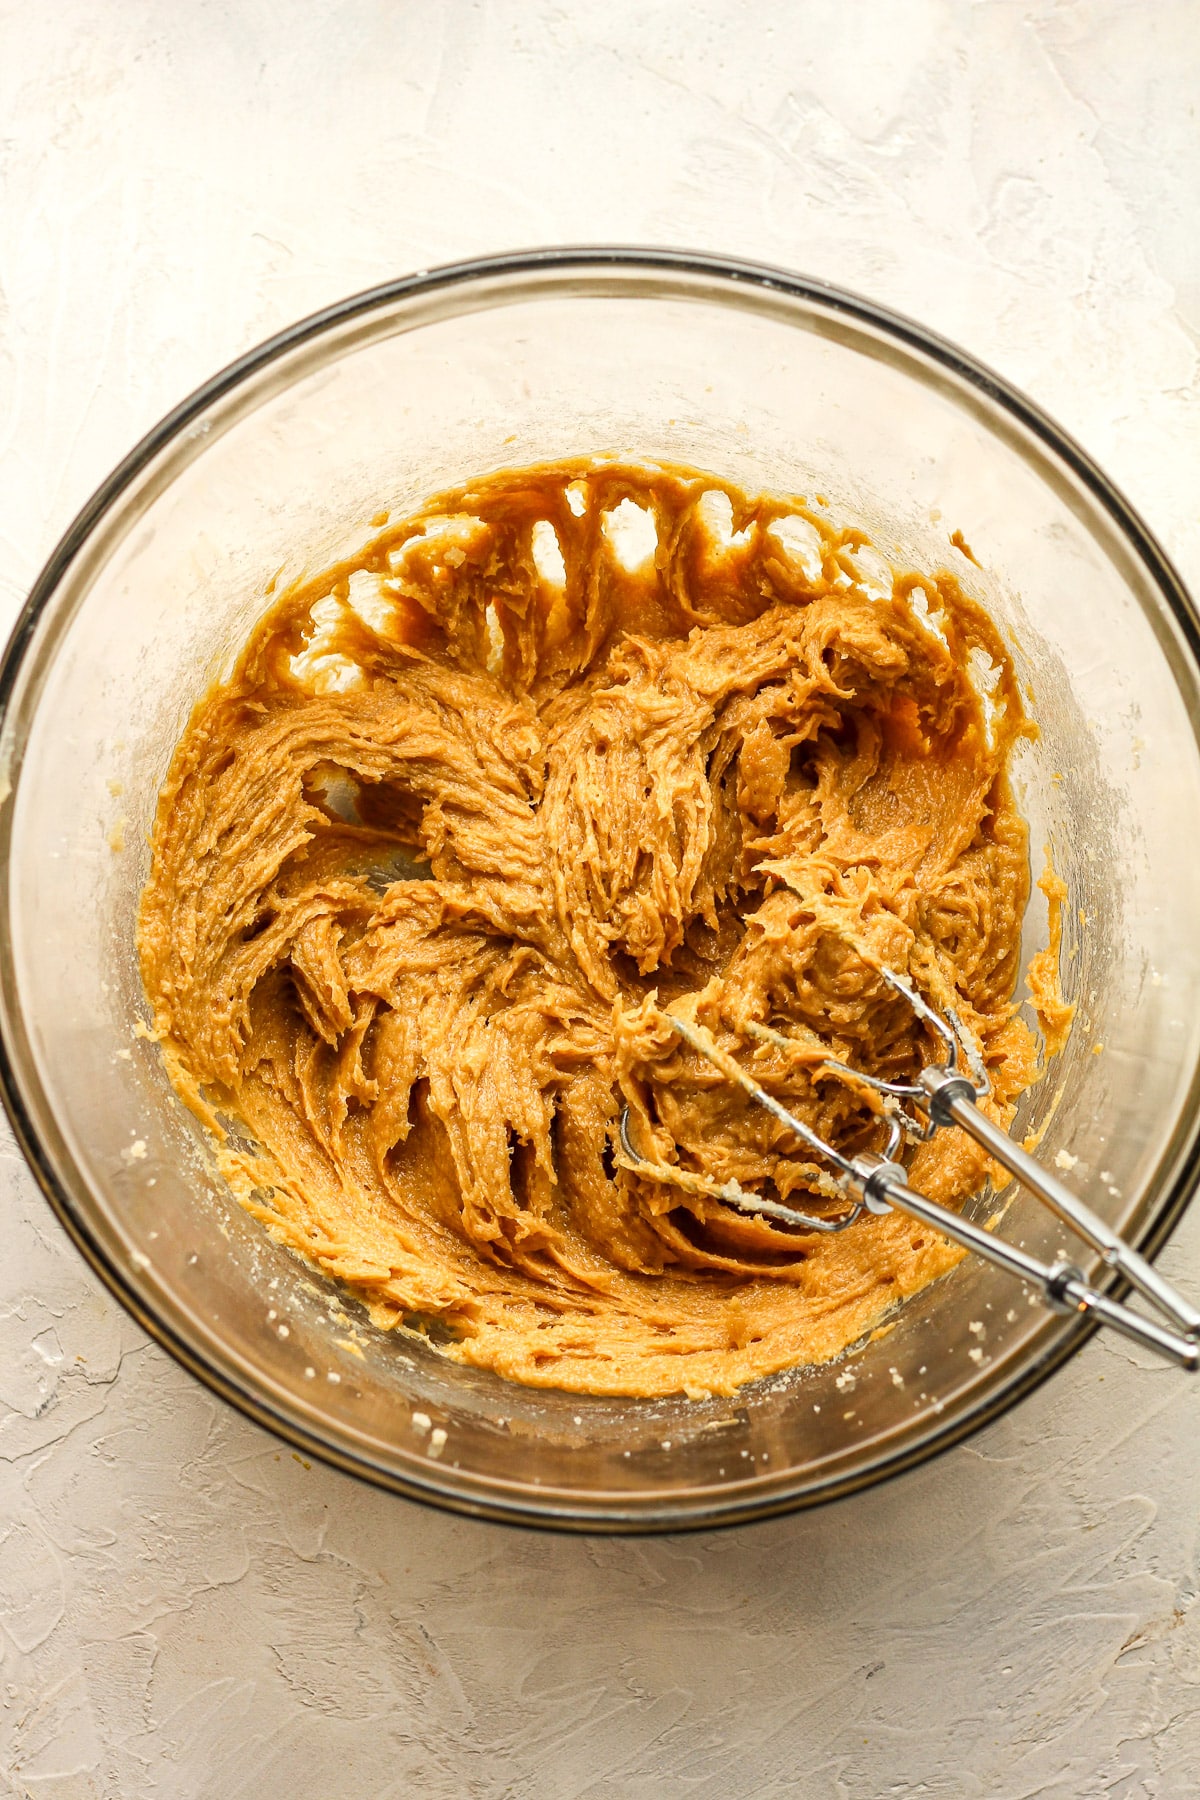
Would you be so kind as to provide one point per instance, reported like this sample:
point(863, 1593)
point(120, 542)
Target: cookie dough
point(571, 747)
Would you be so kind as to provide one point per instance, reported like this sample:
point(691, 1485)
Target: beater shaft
point(951, 1101)
point(1061, 1284)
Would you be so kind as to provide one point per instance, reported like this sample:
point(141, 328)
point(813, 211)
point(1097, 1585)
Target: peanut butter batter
point(573, 746)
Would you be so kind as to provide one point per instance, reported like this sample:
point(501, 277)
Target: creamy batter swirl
point(571, 747)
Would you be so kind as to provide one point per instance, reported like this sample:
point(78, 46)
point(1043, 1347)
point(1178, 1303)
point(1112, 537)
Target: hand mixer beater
point(943, 1094)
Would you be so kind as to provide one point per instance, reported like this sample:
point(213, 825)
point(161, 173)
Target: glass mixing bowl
point(777, 383)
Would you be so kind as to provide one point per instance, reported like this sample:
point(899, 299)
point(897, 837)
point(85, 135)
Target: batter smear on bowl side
point(572, 746)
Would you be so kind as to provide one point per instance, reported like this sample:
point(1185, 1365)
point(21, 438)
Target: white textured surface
point(185, 1609)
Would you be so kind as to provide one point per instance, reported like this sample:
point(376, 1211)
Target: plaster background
point(185, 1608)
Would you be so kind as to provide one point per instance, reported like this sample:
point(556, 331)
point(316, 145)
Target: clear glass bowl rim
point(565, 270)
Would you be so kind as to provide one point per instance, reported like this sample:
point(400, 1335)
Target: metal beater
point(943, 1094)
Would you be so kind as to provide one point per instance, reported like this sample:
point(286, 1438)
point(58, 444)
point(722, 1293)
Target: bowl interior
point(389, 400)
